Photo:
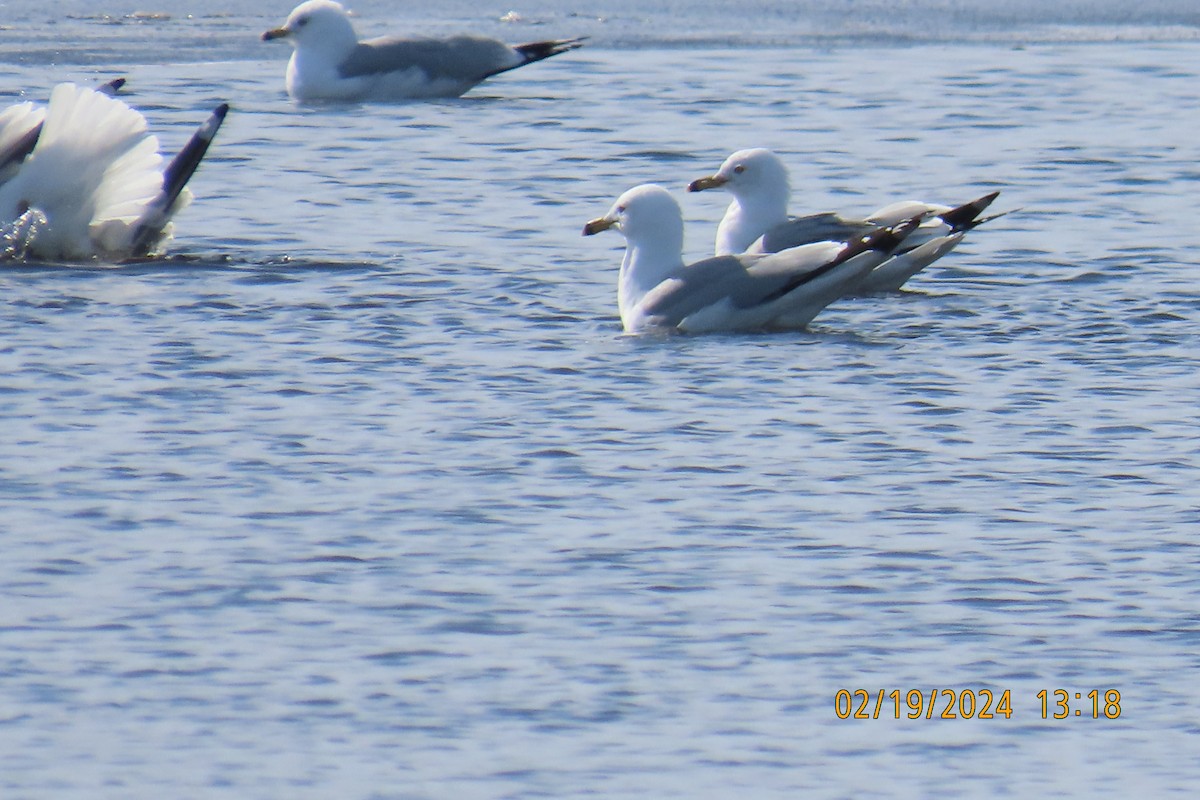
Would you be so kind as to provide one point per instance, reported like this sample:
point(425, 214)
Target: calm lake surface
point(363, 494)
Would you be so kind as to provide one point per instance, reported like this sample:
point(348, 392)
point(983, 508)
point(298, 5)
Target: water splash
point(17, 237)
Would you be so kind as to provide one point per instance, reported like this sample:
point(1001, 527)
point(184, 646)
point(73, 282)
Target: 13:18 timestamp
point(972, 704)
point(1057, 704)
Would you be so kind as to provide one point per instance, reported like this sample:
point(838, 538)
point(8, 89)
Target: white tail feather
point(128, 186)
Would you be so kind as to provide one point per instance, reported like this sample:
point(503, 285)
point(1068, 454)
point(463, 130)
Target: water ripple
point(364, 494)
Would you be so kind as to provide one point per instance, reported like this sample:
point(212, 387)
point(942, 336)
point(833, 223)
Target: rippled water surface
point(363, 494)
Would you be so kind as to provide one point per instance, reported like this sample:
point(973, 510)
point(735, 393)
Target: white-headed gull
point(757, 220)
point(330, 63)
point(742, 292)
point(83, 179)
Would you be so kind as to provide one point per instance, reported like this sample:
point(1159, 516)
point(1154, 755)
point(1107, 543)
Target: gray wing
point(13, 156)
point(152, 224)
point(827, 227)
point(744, 281)
point(698, 286)
point(463, 58)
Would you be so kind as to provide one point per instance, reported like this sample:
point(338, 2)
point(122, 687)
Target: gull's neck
point(750, 215)
point(648, 262)
point(313, 68)
point(317, 59)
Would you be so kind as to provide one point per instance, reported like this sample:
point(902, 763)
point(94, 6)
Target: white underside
point(312, 80)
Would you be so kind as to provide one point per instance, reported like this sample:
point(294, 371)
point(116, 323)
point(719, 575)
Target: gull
point(330, 63)
point(757, 220)
point(742, 292)
point(82, 179)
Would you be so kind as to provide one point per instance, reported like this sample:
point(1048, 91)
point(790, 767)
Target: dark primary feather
point(537, 51)
point(885, 240)
point(111, 88)
point(966, 216)
point(18, 152)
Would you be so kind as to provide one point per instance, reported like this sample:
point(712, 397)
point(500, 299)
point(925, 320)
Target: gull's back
point(798, 231)
point(753, 291)
point(464, 59)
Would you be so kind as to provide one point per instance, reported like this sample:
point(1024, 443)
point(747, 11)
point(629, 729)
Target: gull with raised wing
point(83, 179)
point(757, 219)
point(330, 63)
point(737, 292)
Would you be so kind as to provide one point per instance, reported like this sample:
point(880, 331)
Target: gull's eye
point(300, 23)
point(620, 209)
point(739, 169)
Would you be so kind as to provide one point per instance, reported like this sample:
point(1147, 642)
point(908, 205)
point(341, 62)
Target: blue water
point(363, 494)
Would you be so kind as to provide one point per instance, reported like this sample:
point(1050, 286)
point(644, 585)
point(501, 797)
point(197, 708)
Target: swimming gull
point(757, 220)
point(330, 63)
point(742, 292)
point(83, 179)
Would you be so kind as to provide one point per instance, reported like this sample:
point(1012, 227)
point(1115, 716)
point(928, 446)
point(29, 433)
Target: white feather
point(94, 170)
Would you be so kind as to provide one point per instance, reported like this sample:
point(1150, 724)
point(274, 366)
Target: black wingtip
point(213, 123)
point(184, 165)
point(965, 217)
point(540, 50)
point(991, 217)
point(537, 51)
point(110, 88)
point(882, 239)
point(20, 149)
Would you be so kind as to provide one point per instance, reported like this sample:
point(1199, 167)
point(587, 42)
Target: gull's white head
point(652, 224)
point(317, 24)
point(758, 181)
point(748, 173)
point(644, 214)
